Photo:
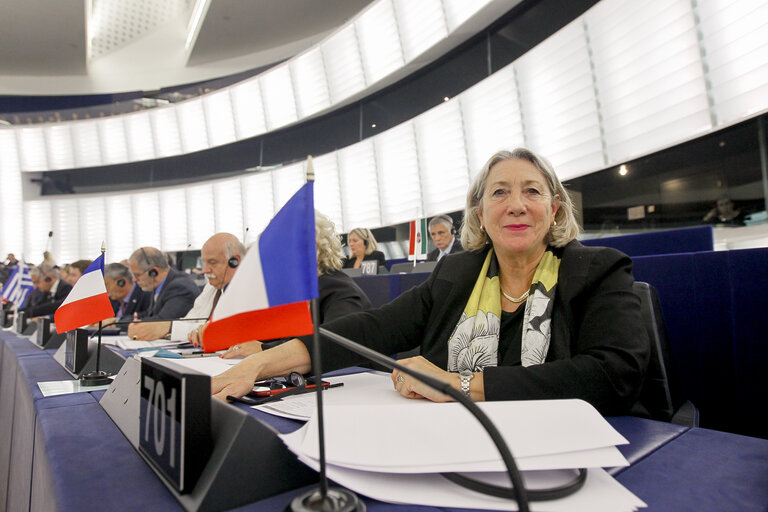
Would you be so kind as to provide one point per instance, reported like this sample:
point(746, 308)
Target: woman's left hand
point(411, 388)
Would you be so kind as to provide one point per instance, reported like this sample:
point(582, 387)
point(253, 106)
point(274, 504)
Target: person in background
point(724, 212)
point(174, 291)
point(339, 294)
point(443, 235)
point(221, 255)
point(525, 313)
point(126, 296)
point(53, 291)
point(75, 271)
point(48, 259)
point(362, 247)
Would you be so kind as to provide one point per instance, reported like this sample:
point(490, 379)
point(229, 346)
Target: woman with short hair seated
point(339, 294)
point(362, 247)
point(525, 313)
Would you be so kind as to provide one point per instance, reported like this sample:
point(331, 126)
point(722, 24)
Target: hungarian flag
point(269, 296)
point(87, 302)
point(417, 248)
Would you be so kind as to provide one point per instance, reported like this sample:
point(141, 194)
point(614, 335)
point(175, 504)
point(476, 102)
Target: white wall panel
point(286, 181)
point(146, 220)
point(328, 188)
point(491, 116)
point(192, 125)
point(459, 11)
point(422, 24)
point(11, 207)
point(59, 146)
point(735, 36)
point(114, 146)
point(87, 147)
point(248, 109)
point(277, 93)
point(173, 220)
point(220, 120)
point(201, 223)
point(343, 66)
point(138, 130)
point(442, 158)
point(560, 115)
point(32, 154)
point(310, 84)
point(165, 130)
point(648, 73)
point(37, 224)
point(397, 162)
point(65, 246)
point(379, 41)
point(258, 204)
point(119, 220)
point(360, 191)
point(93, 226)
point(228, 205)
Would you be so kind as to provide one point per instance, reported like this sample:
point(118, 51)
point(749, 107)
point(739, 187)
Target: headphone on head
point(152, 271)
point(121, 282)
point(448, 221)
point(47, 279)
point(233, 262)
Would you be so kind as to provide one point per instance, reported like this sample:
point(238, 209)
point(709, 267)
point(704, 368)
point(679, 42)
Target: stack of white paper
point(394, 449)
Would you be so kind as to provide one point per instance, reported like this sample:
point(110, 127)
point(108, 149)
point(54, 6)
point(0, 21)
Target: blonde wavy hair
point(329, 253)
point(472, 234)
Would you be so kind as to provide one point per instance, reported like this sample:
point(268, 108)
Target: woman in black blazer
point(526, 313)
point(362, 247)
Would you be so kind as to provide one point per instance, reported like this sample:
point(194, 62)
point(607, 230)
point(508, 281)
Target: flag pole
point(97, 377)
point(323, 499)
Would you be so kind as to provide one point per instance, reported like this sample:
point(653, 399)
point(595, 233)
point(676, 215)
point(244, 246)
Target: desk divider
point(249, 462)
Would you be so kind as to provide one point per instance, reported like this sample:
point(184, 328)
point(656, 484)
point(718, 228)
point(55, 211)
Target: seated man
point(444, 236)
point(221, 254)
point(75, 271)
point(126, 296)
point(174, 291)
point(53, 292)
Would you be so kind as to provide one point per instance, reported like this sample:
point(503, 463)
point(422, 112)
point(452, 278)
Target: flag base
point(336, 500)
point(96, 378)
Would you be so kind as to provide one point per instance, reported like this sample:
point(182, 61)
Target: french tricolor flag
point(88, 301)
point(269, 296)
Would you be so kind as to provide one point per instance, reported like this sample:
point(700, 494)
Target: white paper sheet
point(126, 343)
point(436, 434)
point(601, 493)
point(208, 365)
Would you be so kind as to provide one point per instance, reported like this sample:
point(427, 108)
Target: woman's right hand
point(242, 350)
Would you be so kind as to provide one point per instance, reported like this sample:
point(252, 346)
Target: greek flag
point(18, 286)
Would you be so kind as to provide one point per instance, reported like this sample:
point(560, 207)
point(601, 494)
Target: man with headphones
point(444, 236)
point(221, 255)
point(53, 292)
point(127, 298)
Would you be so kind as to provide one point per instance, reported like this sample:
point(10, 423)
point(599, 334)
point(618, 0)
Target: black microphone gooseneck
point(518, 492)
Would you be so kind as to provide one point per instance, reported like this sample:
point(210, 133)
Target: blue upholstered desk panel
point(87, 463)
point(695, 239)
point(703, 470)
point(31, 370)
point(377, 288)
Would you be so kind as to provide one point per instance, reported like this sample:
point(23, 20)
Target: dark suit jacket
point(339, 296)
point(175, 298)
point(598, 351)
point(139, 302)
point(375, 255)
point(49, 303)
point(434, 253)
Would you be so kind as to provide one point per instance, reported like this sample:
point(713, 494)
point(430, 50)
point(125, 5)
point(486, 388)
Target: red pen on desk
point(272, 392)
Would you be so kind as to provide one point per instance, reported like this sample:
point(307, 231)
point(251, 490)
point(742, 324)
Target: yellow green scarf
point(474, 343)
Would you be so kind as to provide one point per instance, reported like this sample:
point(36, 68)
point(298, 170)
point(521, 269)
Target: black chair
point(662, 396)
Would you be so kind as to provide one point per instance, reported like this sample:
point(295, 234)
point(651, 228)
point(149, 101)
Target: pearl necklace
point(515, 300)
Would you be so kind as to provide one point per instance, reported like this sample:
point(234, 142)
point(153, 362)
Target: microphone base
point(337, 500)
point(96, 378)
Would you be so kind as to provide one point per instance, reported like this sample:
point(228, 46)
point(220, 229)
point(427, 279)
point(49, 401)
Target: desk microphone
point(518, 492)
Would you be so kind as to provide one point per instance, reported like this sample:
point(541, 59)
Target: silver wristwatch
point(466, 376)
